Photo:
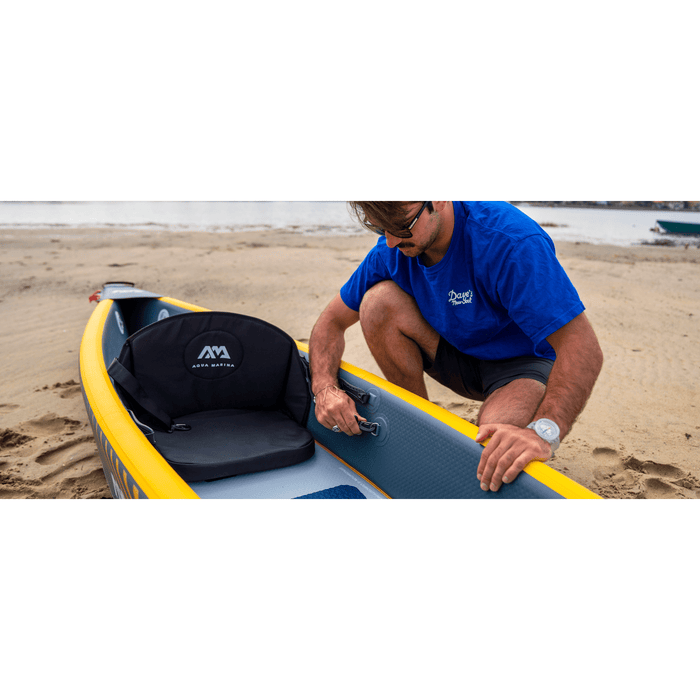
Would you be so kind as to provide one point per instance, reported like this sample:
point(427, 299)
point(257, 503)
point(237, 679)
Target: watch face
point(547, 429)
point(548, 432)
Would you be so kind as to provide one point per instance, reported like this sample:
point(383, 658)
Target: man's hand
point(335, 407)
point(509, 451)
point(326, 345)
point(578, 363)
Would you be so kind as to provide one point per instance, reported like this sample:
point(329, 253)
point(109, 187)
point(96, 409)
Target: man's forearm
point(574, 373)
point(326, 347)
point(335, 410)
point(568, 389)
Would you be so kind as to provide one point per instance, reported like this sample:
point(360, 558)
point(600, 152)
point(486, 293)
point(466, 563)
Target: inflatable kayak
point(189, 403)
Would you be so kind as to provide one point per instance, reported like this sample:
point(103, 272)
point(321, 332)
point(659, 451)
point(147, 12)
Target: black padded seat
point(236, 382)
point(235, 441)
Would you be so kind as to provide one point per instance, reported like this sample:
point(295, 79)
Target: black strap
point(131, 386)
point(355, 393)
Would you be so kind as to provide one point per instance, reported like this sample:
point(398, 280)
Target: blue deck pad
point(337, 492)
point(322, 472)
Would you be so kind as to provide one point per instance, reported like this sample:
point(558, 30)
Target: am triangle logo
point(212, 352)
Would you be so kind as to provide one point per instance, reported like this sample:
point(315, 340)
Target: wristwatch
point(548, 430)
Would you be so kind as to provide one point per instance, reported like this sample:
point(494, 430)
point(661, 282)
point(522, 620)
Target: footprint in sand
point(632, 478)
point(663, 480)
point(70, 388)
point(658, 488)
point(77, 466)
point(90, 483)
point(609, 463)
point(7, 408)
point(70, 392)
point(49, 424)
point(71, 463)
point(68, 454)
point(607, 457)
point(610, 476)
point(69, 470)
point(10, 438)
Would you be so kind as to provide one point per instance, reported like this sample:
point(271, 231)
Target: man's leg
point(396, 332)
point(514, 404)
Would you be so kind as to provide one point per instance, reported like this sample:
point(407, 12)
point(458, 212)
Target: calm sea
point(616, 227)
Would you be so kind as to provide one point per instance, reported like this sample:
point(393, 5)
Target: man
point(472, 294)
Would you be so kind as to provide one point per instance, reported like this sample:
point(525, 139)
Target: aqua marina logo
point(212, 352)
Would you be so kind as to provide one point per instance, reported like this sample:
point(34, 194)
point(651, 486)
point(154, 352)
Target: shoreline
point(638, 437)
point(619, 207)
point(65, 232)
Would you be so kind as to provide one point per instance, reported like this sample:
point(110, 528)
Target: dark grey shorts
point(476, 379)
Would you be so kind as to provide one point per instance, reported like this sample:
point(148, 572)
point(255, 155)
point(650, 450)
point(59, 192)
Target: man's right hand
point(335, 408)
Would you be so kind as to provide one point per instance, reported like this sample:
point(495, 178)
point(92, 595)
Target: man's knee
point(380, 303)
point(381, 295)
point(387, 310)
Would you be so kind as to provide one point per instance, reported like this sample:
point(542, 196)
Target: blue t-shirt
point(498, 292)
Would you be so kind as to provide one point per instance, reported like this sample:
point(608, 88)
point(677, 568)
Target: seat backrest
point(212, 360)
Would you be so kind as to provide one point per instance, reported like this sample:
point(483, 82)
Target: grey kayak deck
point(322, 472)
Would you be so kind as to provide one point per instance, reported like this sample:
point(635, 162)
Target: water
point(306, 217)
point(621, 227)
point(615, 227)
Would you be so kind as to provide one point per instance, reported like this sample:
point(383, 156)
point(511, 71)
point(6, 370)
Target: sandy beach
point(638, 437)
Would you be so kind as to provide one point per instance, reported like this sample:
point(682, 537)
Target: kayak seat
point(218, 394)
point(234, 441)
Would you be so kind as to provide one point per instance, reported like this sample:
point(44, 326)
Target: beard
point(413, 250)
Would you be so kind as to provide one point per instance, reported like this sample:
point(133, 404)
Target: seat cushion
point(229, 442)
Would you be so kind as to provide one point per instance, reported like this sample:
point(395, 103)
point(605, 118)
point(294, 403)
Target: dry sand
point(638, 437)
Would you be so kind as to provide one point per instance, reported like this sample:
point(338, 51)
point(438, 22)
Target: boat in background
point(681, 228)
point(412, 449)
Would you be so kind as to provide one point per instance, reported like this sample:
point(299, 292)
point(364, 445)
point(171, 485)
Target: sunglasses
point(404, 232)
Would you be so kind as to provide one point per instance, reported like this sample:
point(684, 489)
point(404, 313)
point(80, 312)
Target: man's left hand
point(509, 451)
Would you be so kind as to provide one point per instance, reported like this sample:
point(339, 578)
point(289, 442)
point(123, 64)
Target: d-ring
point(335, 429)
